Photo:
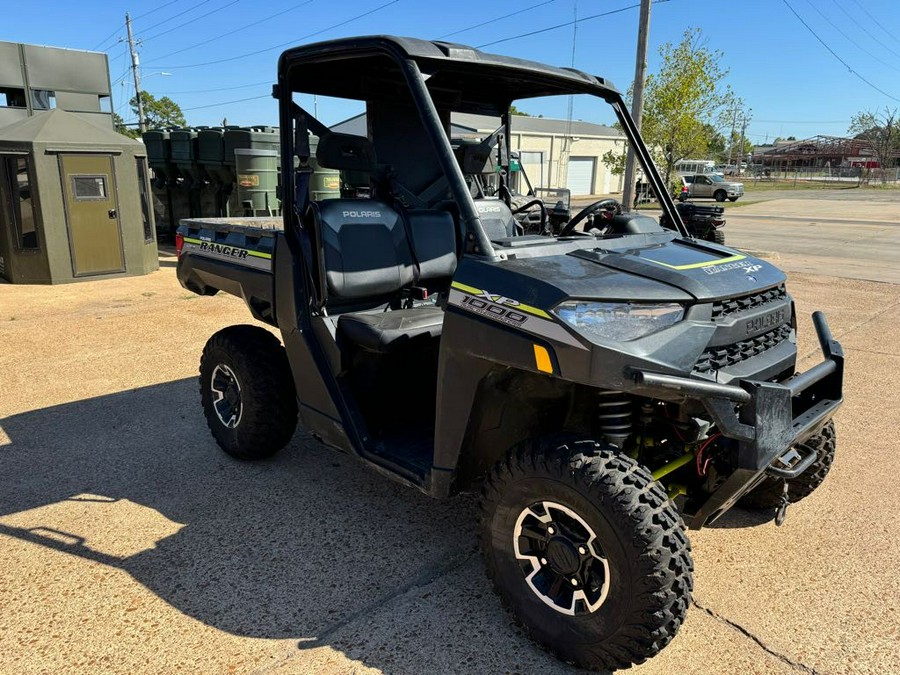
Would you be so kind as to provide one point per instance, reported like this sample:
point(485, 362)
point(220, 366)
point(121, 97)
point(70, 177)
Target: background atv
point(599, 385)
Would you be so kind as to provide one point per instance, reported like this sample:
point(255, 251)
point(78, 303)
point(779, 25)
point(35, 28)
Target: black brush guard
point(766, 418)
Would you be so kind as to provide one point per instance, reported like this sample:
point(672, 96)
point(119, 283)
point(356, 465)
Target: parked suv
point(709, 185)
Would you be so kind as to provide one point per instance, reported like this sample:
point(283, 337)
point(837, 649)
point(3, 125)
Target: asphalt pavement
point(129, 543)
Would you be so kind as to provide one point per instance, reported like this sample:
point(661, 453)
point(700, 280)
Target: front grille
point(715, 358)
point(724, 308)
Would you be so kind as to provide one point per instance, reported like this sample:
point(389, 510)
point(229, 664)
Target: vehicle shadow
point(309, 545)
point(737, 518)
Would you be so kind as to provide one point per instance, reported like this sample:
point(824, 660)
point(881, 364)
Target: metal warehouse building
point(554, 153)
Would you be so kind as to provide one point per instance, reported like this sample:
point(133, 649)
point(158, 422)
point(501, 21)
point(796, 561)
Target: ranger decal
point(235, 254)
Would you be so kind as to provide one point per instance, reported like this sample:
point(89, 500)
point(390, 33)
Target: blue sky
point(789, 79)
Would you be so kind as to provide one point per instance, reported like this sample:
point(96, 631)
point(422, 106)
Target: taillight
point(179, 243)
point(684, 188)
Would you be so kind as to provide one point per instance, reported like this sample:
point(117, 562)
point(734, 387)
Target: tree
point(163, 112)
point(882, 131)
point(513, 110)
point(119, 125)
point(682, 102)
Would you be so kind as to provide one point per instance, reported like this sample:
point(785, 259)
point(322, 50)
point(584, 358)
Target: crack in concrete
point(843, 334)
point(796, 665)
point(426, 577)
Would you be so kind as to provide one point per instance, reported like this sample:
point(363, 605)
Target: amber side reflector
point(542, 359)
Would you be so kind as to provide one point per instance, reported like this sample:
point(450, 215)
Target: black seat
point(370, 254)
point(386, 331)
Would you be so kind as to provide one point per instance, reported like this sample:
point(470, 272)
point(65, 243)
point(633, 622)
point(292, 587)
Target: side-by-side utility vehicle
point(601, 384)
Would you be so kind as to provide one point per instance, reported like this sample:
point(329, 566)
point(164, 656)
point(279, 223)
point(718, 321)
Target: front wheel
point(247, 392)
point(586, 550)
point(720, 195)
point(732, 199)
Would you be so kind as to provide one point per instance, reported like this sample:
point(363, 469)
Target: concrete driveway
point(130, 544)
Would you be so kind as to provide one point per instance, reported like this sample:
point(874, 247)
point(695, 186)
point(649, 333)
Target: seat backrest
point(346, 152)
point(433, 235)
point(496, 218)
point(366, 252)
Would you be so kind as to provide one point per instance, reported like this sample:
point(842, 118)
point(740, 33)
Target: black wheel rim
point(561, 558)
point(226, 391)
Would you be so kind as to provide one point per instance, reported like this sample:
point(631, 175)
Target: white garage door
point(580, 175)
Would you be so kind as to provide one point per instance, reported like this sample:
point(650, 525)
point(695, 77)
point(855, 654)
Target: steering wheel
point(603, 204)
point(531, 204)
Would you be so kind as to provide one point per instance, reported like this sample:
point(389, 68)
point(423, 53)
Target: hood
point(705, 271)
point(654, 267)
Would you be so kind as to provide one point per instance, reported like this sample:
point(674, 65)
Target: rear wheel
point(247, 392)
point(720, 195)
point(768, 494)
point(716, 236)
point(586, 550)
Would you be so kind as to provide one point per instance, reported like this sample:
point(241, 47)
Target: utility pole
point(731, 138)
point(136, 70)
point(637, 103)
point(740, 158)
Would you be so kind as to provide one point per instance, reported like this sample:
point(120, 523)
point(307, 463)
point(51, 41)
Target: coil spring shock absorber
point(614, 416)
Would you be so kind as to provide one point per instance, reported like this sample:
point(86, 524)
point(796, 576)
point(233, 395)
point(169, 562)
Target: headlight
point(619, 320)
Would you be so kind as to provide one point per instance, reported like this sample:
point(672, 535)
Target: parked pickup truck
point(602, 384)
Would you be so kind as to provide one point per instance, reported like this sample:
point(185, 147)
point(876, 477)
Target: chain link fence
point(819, 175)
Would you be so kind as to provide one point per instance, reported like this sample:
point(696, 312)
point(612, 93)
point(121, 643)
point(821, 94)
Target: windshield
point(553, 166)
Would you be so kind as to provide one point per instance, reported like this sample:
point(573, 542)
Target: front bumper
point(765, 418)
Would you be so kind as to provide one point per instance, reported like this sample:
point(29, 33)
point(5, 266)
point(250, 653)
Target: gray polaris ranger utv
point(601, 385)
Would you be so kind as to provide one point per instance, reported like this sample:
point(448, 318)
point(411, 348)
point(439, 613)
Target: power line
point(196, 18)
point(216, 105)
point(876, 22)
point(155, 9)
point(518, 12)
point(294, 41)
point(834, 54)
point(106, 39)
point(209, 91)
point(849, 39)
point(236, 30)
point(175, 16)
point(567, 23)
point(865, 30)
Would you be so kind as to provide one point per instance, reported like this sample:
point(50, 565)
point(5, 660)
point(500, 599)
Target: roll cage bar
point(463, 78)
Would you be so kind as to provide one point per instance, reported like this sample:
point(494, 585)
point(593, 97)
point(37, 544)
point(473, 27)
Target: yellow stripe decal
point(255, 254)
point(512, 303)
point(708, 263)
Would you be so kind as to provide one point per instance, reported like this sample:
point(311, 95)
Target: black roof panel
point(460, 77)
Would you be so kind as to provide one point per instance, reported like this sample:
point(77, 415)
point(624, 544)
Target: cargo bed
point(232, 255)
